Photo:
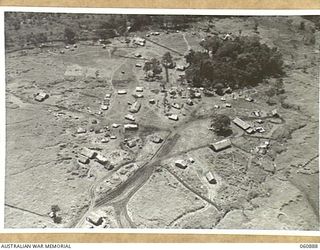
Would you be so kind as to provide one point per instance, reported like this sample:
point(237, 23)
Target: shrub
point(55, 208)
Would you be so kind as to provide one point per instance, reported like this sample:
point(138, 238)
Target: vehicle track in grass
point(120, 196)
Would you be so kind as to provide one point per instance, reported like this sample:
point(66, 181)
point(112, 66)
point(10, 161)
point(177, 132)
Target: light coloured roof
point(242, 124)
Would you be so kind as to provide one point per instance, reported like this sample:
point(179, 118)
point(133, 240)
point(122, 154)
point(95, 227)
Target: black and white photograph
point(161, 121)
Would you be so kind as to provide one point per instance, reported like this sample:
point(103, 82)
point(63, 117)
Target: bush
point(221, 124)
point(55, 208)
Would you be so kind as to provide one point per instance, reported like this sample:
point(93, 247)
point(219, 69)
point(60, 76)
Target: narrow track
point(26, 210)
point(165, 47)
point(193, 191)
point(120, 196)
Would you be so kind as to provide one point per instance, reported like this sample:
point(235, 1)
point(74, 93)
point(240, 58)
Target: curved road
point(119, 197)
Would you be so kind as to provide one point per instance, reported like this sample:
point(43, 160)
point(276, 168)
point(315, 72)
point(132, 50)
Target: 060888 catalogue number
point(308, 245)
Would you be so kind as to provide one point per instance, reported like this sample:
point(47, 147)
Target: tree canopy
point(166, 60)
point(220, 123)
point(69, 35)
point(167, 63)
point(153, 66)
point(243, 61)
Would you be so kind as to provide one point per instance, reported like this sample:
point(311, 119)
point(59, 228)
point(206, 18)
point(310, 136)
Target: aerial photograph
point(161, 121)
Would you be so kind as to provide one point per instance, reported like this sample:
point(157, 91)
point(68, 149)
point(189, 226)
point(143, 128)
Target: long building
point(220, 145)
point(130, 126)
point(240, 123)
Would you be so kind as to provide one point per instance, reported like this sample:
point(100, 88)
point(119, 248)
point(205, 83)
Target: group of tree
point(87, 26)
point(220, 124)
point(139, 22)
point(243, 61)
point(173, 22)
point(114, 26)
point(16, 25)
point(69, 35)
point(54, 210)
point(37, 38)
point(167, 63)
point(167, 22)
point(274, 91)
point(314, 19)
point(152, 68)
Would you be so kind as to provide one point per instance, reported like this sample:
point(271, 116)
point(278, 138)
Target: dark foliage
point(173, 21)
point(167, 60)
point(69, 35)
point(105, 31)
point(55, 208)
point(139, 22)
point(57, 220)
point(84, 26)
point(167, 63)
point(16, 25)
point(36, 39)
point(152, 68)
point(221, 124)
point(314, 19)
point(241, 62)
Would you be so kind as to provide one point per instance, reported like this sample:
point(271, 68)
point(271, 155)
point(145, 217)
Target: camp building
point(242, 124)
point(210, 178)
point(220, 145)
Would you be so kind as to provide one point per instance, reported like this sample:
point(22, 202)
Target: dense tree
point(36, 39)
point(279, 87)
point(242, 61)
point(255, 28)
point(172, 22)
point(139, 22)
point(57, 219)
point(220, 124)
point(119, 23)
point(271, 92)
point(175, 22)
point(17, 25)
point(55, 208)
point(69, 35)
point(314, 19)
point(211, 43)
point(41, 37)
point(219, 88)
point(167, 63)
point(152, 68)
point(309, 38)
point(104, 31)
point(193, 57)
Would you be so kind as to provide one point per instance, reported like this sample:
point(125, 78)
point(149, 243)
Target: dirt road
point(121, 196)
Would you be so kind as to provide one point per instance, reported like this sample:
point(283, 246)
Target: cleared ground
point(277, 190)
